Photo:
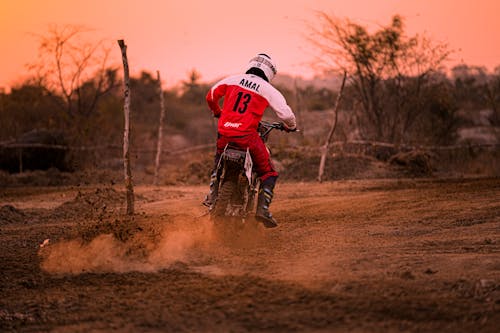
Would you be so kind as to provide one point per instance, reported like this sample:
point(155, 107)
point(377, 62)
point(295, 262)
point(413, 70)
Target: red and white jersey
point(246, 97)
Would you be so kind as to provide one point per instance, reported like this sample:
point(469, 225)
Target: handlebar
point(266, 127)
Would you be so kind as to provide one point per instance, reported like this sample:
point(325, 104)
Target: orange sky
point(218, 37)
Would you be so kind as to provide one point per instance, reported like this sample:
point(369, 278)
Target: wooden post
point(126, 133)
point(324, 148)
point(160, 130)
point(298, 107)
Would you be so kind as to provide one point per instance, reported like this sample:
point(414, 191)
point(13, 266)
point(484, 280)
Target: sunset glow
point(219, 37)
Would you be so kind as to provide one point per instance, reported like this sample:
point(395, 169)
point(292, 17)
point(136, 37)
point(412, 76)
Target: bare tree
point(74, 68)
point(386, 68)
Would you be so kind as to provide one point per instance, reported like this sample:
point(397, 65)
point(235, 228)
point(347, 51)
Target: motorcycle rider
point(246, 96)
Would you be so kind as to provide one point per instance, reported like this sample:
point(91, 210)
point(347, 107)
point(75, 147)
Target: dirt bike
point(238, 183)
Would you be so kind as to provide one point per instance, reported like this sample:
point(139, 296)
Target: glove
point(216, 114)
point(288, 129)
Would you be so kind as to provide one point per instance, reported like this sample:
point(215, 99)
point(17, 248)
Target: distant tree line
point(398, 91)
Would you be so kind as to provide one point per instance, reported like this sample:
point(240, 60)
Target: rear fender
point(234, 158)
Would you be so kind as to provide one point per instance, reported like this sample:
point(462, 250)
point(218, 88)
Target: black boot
point(265, 197)
point(214, 188)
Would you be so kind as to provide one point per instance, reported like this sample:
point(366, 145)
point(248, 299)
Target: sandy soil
point(357, 256)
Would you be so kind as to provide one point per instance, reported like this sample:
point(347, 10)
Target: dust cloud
point(105, 253)
point(197, 245)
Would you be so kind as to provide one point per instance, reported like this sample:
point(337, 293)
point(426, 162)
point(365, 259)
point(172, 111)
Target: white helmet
point(265, 63)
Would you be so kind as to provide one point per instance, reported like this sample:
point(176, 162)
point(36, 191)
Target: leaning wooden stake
point(298, 107)
point(160, 130)
point(324, 148)
point(126, 132)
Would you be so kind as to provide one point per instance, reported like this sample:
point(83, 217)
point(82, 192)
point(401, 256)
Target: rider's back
point(246, 97)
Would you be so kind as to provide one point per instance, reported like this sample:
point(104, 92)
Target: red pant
point(260, 155)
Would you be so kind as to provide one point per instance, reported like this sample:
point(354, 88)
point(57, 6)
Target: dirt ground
point(349, 256)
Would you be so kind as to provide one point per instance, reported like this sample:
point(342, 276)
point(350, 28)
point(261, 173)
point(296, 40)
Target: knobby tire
point(223, 198)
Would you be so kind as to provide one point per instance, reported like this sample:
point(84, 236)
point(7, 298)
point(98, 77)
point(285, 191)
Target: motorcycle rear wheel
point(223, 198)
